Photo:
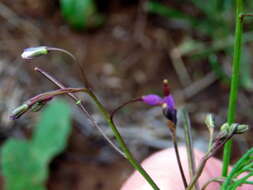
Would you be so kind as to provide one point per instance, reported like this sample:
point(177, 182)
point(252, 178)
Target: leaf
point(20, 169)
point(158, 8)
point(50, 135)
point(241, 172)
point(81, 14)
point(25, 162)
point(201, 25)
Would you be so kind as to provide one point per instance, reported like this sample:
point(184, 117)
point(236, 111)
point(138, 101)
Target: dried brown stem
point(123, 105)
point(172, 128)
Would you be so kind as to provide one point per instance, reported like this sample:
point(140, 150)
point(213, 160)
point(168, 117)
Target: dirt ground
point(127, 57)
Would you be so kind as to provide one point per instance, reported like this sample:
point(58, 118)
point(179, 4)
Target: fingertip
point(163, 169)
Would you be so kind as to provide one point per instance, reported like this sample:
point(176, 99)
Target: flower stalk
point(121, 141)
point(81, 106)
point(37, 102)
point(234, 83)
point(172, 128)
point(34, 52)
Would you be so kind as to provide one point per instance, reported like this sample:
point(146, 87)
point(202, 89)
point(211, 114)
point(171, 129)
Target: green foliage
point(25, 162)
point(81, 14)
point(158, 8)
point(216, 23)
point(243, 166)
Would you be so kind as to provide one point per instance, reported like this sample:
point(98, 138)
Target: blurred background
point(126, 47)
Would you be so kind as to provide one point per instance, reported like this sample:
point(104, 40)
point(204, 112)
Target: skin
point(163, 169)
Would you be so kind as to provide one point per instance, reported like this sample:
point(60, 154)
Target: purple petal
point(152, 99)
point(169, 101)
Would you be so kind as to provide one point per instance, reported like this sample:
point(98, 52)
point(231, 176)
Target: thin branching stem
point(62, 51)
point(219, 180)
point(81, 106)
point(123, 105)
point(121, 142)
point(127, 154)
point(72, 56)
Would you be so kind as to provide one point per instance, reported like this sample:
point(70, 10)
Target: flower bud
point(152, 99)
point(236, 128)
point(19, 111)
point(240, 129)
point(224, 127)
point(209, 121)
point(30, 53)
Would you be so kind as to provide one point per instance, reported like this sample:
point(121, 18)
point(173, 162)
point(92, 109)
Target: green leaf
point(20, 169)
point(50, 135)
point(25, 162)
point(203, 26)
point(81, 14)
point(243, 166)
point(158, 8)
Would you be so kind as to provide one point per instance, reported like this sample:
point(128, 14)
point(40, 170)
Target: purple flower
point(167, 102)
point(155, 100)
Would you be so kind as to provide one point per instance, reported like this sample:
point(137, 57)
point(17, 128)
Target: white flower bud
point(32, 52)
point(209, 121)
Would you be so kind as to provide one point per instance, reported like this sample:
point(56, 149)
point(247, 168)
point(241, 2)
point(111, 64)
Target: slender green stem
point(122, 143)
point(80, 104)
point(189, 146)
point(234, 83)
